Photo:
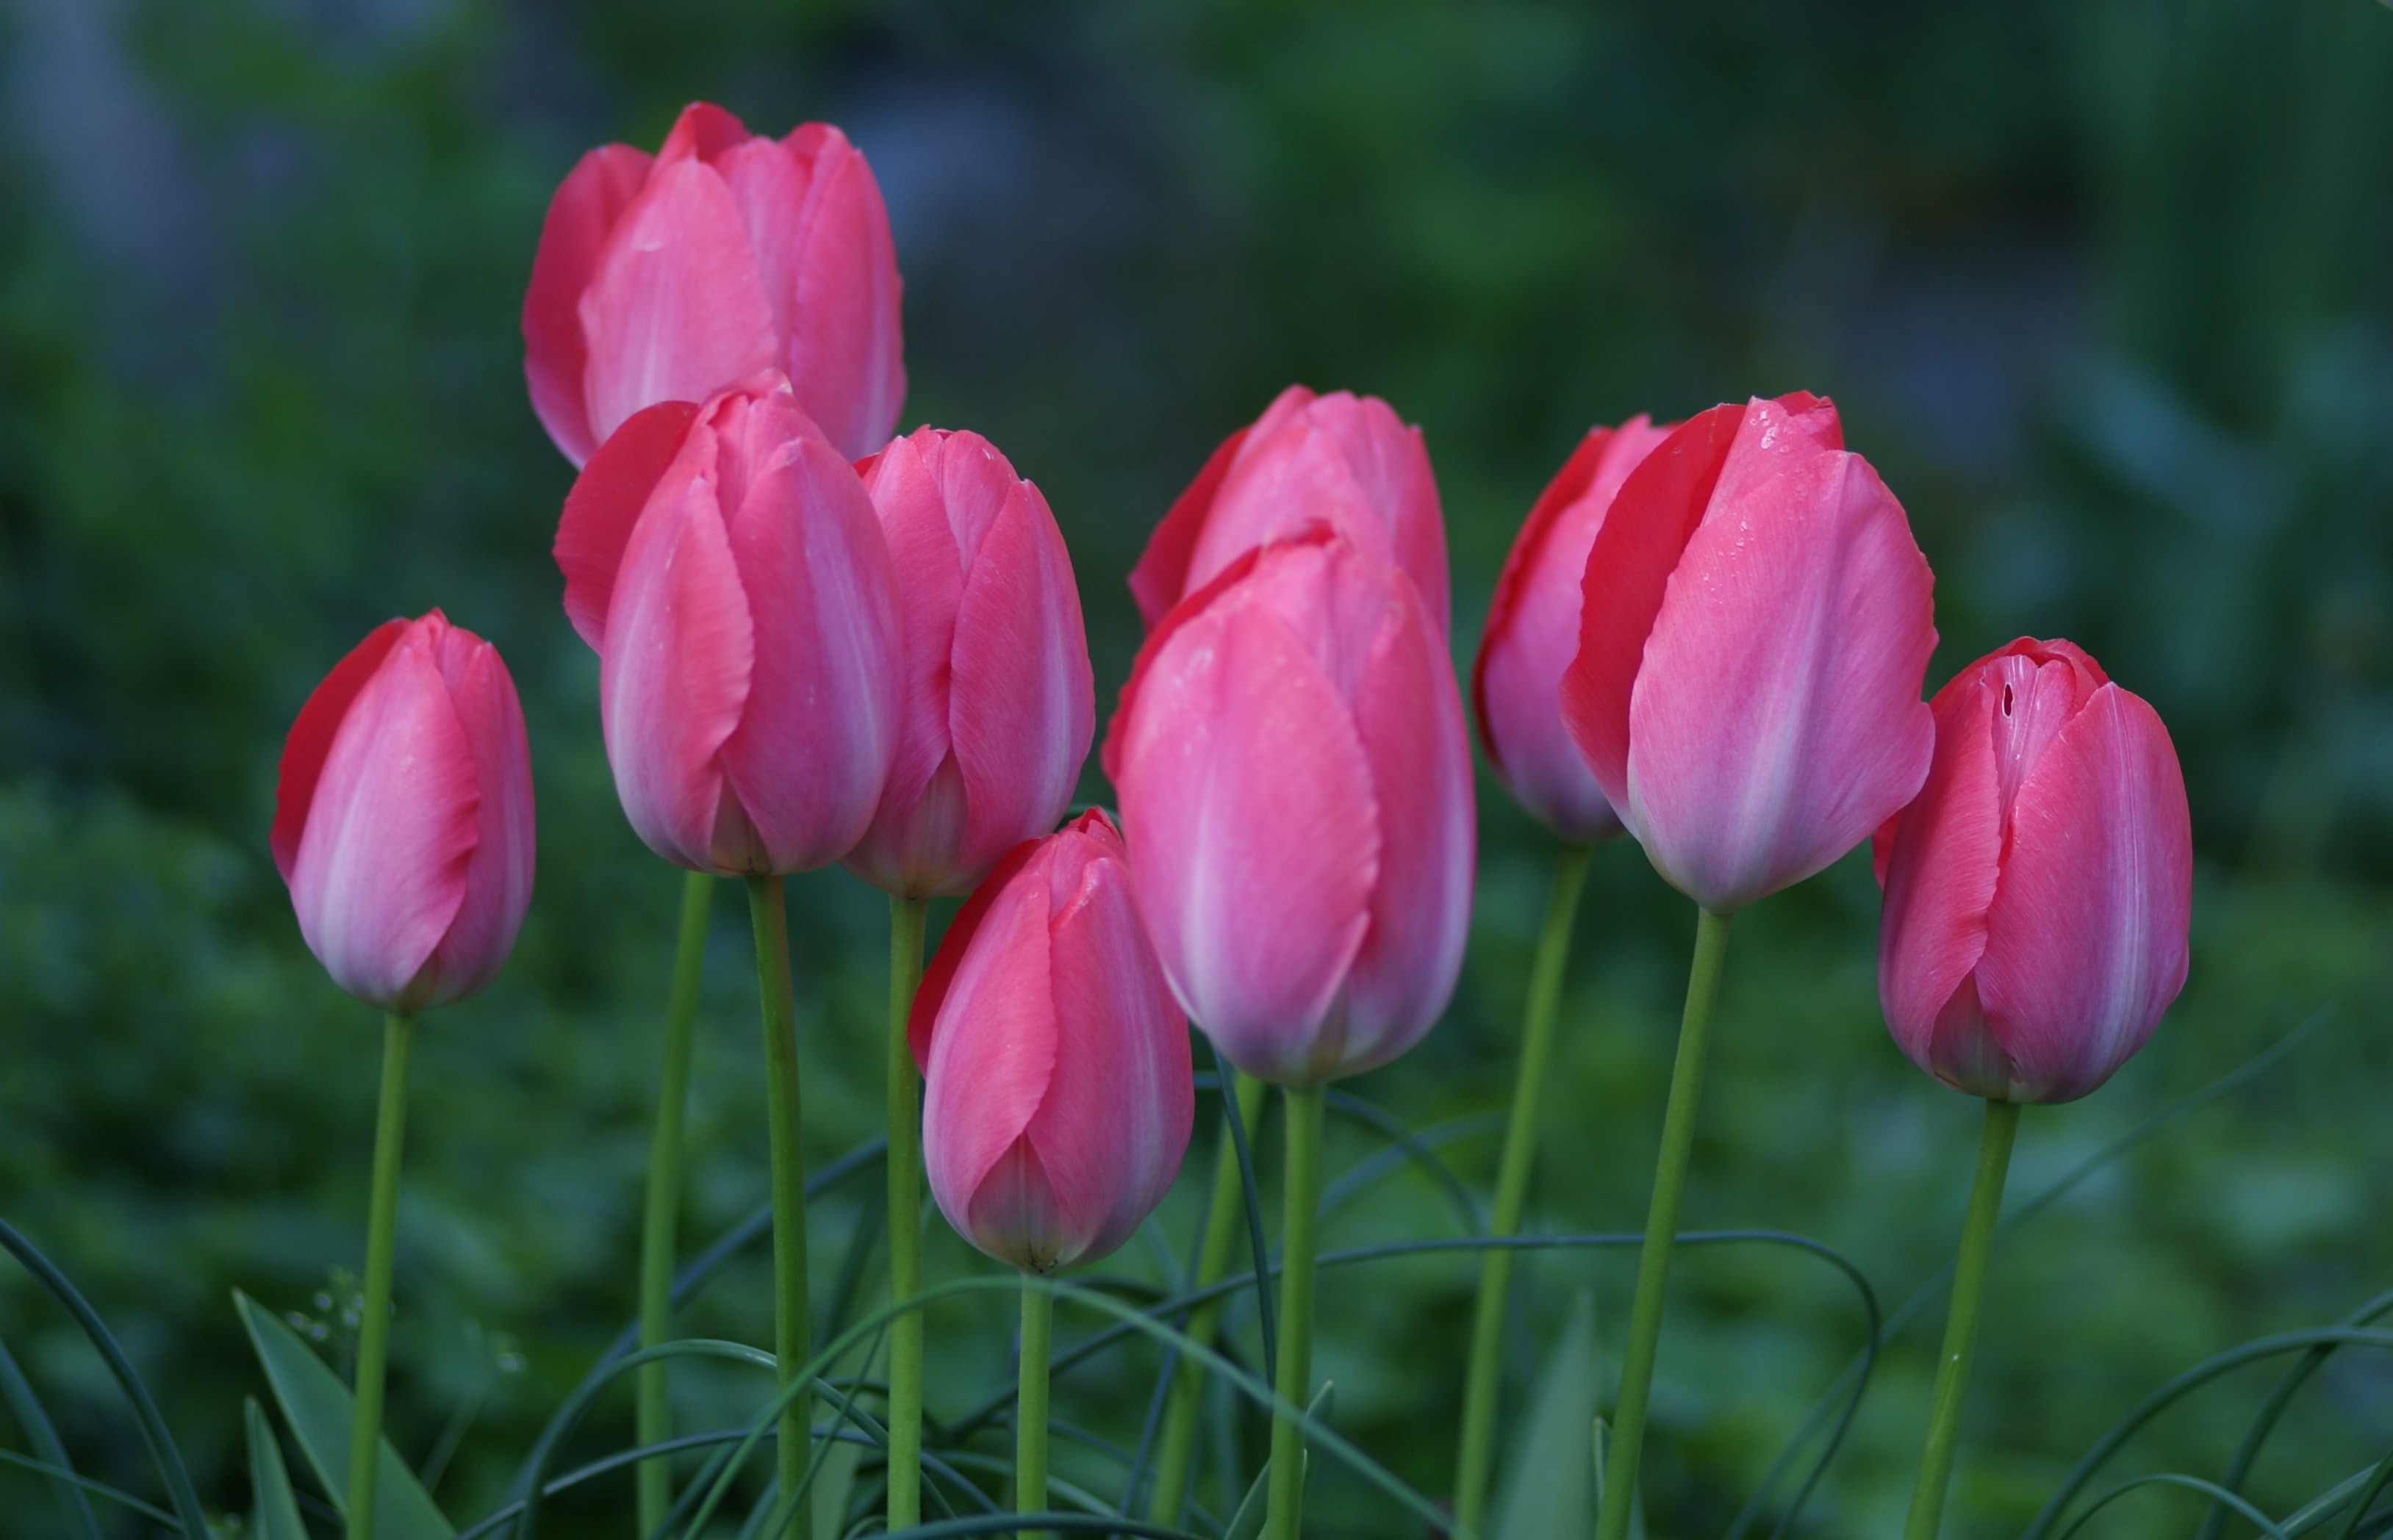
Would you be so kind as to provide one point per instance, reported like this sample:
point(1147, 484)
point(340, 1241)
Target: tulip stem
point(1961, 1325)
point(381, 1225)
point(660, 1216)
point(1512, 1189)
point(905, 920)
point(1030, 1408)
point(1661, 1228)
point(1177, 1444)
point(791, 1332)
point(1284, 1515)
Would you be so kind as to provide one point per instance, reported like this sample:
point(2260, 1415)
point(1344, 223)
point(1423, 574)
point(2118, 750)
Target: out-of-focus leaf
point(274, 1513)
point(1248, 1522)
point(1549, 1492)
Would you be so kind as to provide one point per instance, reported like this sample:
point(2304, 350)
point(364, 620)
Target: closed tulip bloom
point(1350, 462)
point(402, 816)
point(724, 562)
point(1754, 627)
point(1000, 704)
point(2039, 889)
point(1532, 630)
point(1296, 785)
point(667, 278)
point(1058, 1097)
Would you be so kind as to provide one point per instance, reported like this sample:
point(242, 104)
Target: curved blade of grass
point(274, 1511)
point(2377, 1480)
point(2193, 1483)
point(18, 1392)
point(172, 1472)
point(1416, 1147)
point(85, 1484)
point(2264, 1421)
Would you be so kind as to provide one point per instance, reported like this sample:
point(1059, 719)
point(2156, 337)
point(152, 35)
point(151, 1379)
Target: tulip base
point(1030, 1405)
point(905, 920)
point(793, 1332)
point(1662, 1227)
point(382, 1226)
point(1284, 1513)
point(1961, 1325)
point(660, 1216)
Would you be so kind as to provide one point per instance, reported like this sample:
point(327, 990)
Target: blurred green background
point(2103, 287)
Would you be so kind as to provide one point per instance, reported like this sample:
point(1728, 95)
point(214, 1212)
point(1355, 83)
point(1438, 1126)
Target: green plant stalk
point(1176, 1445)
point(905, 920)
point(791, 1332)
point(1661, 1227)
point(1030, 1409)
point(382, 1226)
point(1284, 1515)
point(1474, 1459)
point(1961, 1323)
point(660, 1215)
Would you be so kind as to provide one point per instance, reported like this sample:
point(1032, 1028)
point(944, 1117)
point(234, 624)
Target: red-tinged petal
point(381, 868)
point(1526, 559)
point(703, 132)
point(1182, 614)
point(1629, 567)
point(2087, 937)
point(573, 236)
point(498, 879)
point(676, 310)
point(674, 677)
point(1389, 462)
point(603, 505)
point(845, 351)
point(1776, 718)
point(768, 184)
point(1945, 852)
point(930, 996)
point(992, 1053)
point(1162, 575)
point(311, 739)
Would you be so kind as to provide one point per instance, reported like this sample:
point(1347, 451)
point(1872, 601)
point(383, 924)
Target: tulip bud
point(1309, 459)
point(668, 279)
point(1000, 704)
point(2038, 891)
point(725, 564)
point(402, 816)
point(1296, 785)
point(1057, 1096)
point(1532, 630)
point(1754, 627)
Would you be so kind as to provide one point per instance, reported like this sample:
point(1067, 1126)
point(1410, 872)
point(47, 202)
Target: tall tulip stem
point(1661, 1227)
point(1512, 1189)
point(791, 1331)
point(906, 918)
point(1284, 1515)
point(381, 1225)
point(1177, 1444)
point(660, 1216)
point(1961, 1325)
point(1030, 1406)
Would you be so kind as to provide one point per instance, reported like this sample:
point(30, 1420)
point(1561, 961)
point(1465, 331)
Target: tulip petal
point(605, 504)
point(1287, 481)
point(1162, 576)
point(2086, 935)
point(1944, 854)
point(846, 352)
point(311, 739)
point(702, 131)
point(939, 974)
point(498, 879)
point(1525, 561)
point(1389, 462)
point(573, 235)
point(983, 1086)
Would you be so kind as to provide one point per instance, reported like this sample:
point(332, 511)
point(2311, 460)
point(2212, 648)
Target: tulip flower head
point(1296, 786)
point(1754, 627)
point(2039, 890)
point(667, 278)
point(1000, 704)
point(1058, 1095)
point(1532, 632)
point(404, 817)
point(1351, 463)
point(724, 562)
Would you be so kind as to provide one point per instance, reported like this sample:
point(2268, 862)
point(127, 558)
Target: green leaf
point(1636, 1500)
point(1549, 1491)
point(1248, 1522)
point(275, 1515)
point(317, 1406)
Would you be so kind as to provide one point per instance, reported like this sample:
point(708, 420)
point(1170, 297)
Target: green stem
point(1177, 1444)
point(1284, 1516)
point(791, 1332)
point(382, 1225)
point(1471, 1466)
point(1961, 1326)
point(1030, 1411)
point(1661, 1228)
point(906, 918)
point(660, 1215)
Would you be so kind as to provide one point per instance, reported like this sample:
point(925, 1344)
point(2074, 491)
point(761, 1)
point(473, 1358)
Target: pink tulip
point(2038, 891)
point(724, 562)
point(1000, 702)
point(1058, 1097)
point(402, 818)
point(1755, 624)
point(1351, 463)
point(1296, 785)
point(668, 279)
point(1532, 630)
